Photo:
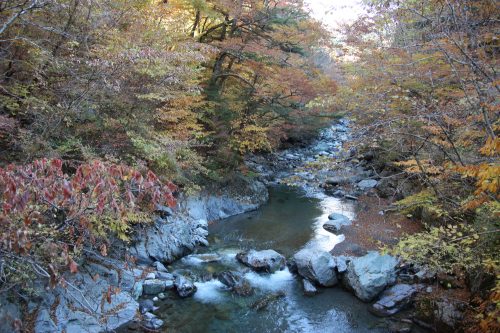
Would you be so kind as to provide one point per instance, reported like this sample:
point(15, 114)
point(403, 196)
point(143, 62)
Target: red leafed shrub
point(47, 217)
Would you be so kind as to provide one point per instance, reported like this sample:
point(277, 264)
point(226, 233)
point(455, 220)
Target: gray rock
point(336, 222)
point(369, 275)
point(448, 313)
point(426, 275)
point(317, 266)
point(10, 313)
point(367, 184)
point(168, 240)
point(147, 305)
point(137, 290)
point(262, 261)
point(341, 263)
point(150, 276)
point(309, 288)
point(160, 267)
point(169, 284)
point(153, 287)
point(43, 323)
point(236, 282)
point(164, 276)
point(152, 322)
point(395, 299)
point(184, 286)
point(84, 306)
point(335, 181)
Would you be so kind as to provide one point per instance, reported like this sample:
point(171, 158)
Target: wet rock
point(147, 305)
point(336, 221)
point(399, 327)
point(203, 258)
point(262, 303)
point(309, 288)
point(267, 260)
point(153, 287)
point(317, 266)
point(151, 321)
point(236, 282)
point(395, 299)
point(292, 265)
point(369, 275)
point(367, 184)
point(184, 286)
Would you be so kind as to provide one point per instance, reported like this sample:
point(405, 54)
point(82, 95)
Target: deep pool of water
point(288, 222)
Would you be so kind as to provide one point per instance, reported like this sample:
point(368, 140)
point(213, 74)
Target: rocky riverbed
point(280, 263)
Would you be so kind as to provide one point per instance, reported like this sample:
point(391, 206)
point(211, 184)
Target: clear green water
point(287, 223)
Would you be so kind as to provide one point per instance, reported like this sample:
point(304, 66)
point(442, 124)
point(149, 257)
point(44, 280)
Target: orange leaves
point(487, 177)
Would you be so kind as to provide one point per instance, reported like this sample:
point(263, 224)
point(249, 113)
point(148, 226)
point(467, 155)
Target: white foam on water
point(273, 282)
point(209, 292)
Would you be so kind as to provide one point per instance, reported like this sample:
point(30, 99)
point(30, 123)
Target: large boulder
point(395, 299)
point(317, 266)
point(369, 275)
point(262, 261)
point(85, 306)
point(177, 232)
point(335, 222)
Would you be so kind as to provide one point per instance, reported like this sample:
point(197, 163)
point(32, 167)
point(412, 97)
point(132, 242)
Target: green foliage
point(447, 248)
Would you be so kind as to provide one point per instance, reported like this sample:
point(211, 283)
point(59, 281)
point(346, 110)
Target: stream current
point(287, 223)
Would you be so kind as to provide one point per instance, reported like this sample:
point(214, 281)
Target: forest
point(110, 109)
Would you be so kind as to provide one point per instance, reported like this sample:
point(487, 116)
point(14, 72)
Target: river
point(288, 222)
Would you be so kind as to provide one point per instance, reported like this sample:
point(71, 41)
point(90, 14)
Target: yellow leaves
point(492, 147)
point(426, 166)
point(252, 138)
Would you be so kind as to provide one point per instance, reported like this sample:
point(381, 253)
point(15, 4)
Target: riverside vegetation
point(119, 119)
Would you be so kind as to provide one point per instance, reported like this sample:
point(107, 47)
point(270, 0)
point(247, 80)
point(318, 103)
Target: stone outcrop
point(317, 266)
point(369, 275)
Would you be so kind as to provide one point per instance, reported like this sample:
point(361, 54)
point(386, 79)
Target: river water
point(287, 223)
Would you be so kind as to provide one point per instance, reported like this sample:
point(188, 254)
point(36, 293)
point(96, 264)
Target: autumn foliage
point(47, 216)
